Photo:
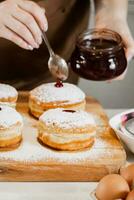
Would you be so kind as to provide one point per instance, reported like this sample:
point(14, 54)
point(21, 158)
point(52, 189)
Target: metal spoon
point(57, 65)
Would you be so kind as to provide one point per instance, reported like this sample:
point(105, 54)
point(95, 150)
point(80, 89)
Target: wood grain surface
point(112, 155)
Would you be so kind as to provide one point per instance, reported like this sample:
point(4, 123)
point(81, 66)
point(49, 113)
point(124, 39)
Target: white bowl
point(128, 139)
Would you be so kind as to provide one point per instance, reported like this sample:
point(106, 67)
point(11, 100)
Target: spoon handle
point(47, 43)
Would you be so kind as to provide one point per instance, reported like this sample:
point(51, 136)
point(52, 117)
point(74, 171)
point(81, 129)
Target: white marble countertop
point(52, 191)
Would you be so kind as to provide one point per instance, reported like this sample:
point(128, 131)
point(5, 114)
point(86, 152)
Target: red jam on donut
point(71, 111)
point(59, 83)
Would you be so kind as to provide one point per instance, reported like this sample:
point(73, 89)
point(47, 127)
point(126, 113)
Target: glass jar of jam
point(99, 55)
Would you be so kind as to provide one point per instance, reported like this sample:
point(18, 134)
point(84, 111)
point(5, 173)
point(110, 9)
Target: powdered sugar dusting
point(65, 119)
point(8, 116)
point(7, 91)
point(49, 93)
point(31, 151)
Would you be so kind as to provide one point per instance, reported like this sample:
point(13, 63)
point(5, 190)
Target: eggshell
point(130, 195)
point(112, 187)
point(128, 174)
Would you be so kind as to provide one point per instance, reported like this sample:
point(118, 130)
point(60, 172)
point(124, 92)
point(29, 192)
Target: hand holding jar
point(99, 55)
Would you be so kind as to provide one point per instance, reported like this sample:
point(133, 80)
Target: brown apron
point(27, 69)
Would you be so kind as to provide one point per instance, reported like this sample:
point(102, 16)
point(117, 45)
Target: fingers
point(30, 23)
point(9, 35)
point(22, 20)
point(21, 30)
point(130, 53)
point(129, 42)
point(36, 11)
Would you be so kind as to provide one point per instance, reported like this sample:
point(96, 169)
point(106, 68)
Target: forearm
point(118, 7)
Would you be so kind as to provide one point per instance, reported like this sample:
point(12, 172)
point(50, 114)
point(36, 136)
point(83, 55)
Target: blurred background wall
point(118, 94)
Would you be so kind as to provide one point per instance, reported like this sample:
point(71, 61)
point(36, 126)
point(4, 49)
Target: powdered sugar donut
point(49, 96)
point(11, 124)
point(8, 95)
point(66, 129)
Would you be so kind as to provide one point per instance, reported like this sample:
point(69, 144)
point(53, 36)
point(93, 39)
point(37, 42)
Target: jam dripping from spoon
point(58, 83)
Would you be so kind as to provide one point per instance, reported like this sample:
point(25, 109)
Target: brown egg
point(112, 187)
point(128, 174)
point(130, 195)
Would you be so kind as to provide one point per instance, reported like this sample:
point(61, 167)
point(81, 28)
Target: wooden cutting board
point(33, 162)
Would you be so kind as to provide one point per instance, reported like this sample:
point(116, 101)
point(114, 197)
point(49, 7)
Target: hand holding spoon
point(57, 65)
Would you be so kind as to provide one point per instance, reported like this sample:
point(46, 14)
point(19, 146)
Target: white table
point(51, 191)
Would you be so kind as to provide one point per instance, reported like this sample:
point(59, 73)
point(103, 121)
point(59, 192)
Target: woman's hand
point(113, 15)
point(21, 21)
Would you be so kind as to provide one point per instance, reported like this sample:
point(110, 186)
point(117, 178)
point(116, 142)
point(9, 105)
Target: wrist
point(116, 9)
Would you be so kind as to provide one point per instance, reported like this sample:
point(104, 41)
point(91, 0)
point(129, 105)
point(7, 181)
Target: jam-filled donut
point(11, 124)
point(66, 129)
point(8, 95)
point(55, 95)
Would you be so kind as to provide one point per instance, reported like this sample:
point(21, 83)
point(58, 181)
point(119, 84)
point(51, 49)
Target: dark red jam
point(0, 108)
point(58, 84)
point(71, 111)
point(99, 58)
point(127, 117)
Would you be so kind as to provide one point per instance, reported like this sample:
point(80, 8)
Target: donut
point(66, 129)
point(11, 124)
point(50, 96)
point(8, 95)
